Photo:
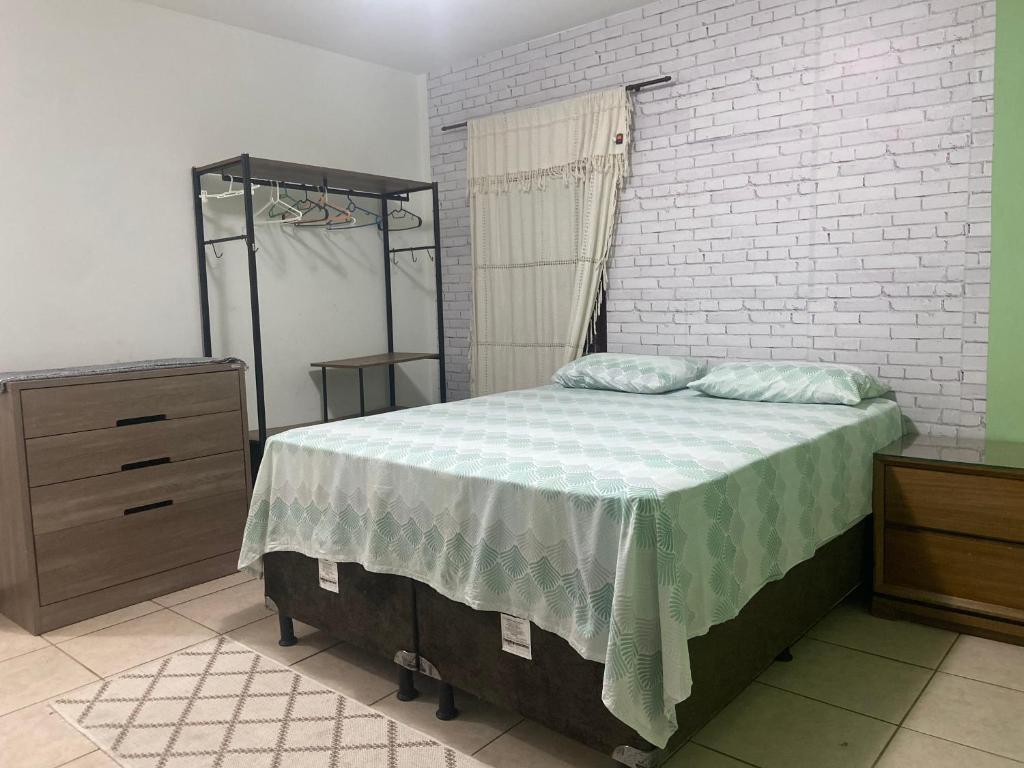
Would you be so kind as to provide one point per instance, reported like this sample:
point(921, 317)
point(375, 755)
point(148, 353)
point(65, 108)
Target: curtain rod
point(630, 87)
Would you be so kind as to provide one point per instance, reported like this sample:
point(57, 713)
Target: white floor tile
point(135, 642)
point(975, 714)
point(95, 759)
point(14, 641)
point(852, 625)
point(863, 682)
point(37, 676)
point(263, 635)
point(201, 590)
point(478, 722)
point(37, 737)
point(695, 756)
point(229, 608)
point(103, 621)
point(352, 672)
point(988, 661)
point(531, 744)
point(777, 729)
point(910, 749)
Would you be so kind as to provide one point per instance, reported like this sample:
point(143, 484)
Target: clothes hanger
point(290, 215)
point(275, 199)
point(340, 215)
point(401, 214)
point(285, 200)
point(267, 205)
point(306, 205)
point(353, 208)
point(231, 191)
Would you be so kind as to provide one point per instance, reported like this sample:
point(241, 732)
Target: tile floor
point(861, 691)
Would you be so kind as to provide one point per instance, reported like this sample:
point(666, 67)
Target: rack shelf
point(371, 361)
point(390, 359)
point(254, 434)
point(262, 170)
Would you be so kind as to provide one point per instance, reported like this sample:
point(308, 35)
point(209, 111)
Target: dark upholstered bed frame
point(401, 619)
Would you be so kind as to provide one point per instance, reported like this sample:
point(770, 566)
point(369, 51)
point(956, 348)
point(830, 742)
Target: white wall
point(814, 184)
point(104, 107)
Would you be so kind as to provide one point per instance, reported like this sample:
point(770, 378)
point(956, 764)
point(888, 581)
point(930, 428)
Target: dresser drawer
point(58, 458)
point(87, 558)
point(79, 407)
point(110, 497)
point(955, 501)
point(979, 570)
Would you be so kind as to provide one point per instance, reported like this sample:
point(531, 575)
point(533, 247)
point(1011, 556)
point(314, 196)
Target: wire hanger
point(286, 201)
point(275, 199)
point(231, 191)
point(353, 208)
point(306, 205)
point(400, 215)
point(340, 215)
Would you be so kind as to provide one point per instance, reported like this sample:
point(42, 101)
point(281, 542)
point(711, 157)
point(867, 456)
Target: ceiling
point(414, 35)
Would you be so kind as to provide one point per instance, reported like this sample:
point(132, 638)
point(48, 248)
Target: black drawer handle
point(146, 463)
point(141, 419)
point(145, 507)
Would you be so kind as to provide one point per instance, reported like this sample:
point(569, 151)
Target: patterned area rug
point(221, 705)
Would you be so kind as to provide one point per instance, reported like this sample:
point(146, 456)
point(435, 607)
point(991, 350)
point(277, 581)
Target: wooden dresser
point(118, 487)
point(949, 535)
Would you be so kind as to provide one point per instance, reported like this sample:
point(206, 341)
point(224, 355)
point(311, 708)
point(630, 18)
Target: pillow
point(641, 374)
point(790, 383)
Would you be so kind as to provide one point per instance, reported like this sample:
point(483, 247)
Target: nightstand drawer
point(75, 408)
point(941, 564)
point(87, 558)
point(58, 458)
point(992, 507)
point(110, 497)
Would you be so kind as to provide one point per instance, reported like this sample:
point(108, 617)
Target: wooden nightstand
point(949, 535)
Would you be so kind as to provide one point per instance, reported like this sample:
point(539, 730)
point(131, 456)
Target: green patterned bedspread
point(624, 523)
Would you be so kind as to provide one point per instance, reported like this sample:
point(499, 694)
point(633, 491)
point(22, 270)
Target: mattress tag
point(329, 575)
point(515, 636)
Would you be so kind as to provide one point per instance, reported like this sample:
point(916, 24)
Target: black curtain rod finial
point(631, 87)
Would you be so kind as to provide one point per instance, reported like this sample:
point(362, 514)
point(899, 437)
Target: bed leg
point(640, 754)
point(785, 655)
point(446, 702)
point(287, 631)
point(406, 685)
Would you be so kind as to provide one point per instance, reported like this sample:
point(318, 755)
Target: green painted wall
point(1006, 322)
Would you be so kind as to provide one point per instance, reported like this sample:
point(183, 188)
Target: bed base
point(461, 647)
point(371, 611)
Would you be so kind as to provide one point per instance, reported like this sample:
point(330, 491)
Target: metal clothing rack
point(307, 178)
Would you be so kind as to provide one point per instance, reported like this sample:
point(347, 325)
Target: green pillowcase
point(640, 374)
point(790, 383)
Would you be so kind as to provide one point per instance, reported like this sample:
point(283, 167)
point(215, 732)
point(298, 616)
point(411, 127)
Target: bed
point(623, 527)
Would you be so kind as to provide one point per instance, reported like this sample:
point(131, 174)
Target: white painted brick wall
point(814, 185)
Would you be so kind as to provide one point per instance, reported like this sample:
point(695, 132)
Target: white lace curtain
point(543, 190)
